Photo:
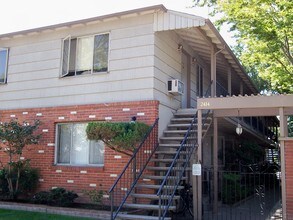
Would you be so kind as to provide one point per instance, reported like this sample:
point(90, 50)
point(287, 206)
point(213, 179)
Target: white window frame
point(6, 64)
point(57, 148)
point(65, 39)
point(70, 38)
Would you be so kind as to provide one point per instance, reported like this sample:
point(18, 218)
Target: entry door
point(185, 100)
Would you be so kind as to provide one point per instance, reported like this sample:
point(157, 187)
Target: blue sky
point(17, 15)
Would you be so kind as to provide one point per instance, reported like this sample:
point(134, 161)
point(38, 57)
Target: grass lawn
point(24, 215)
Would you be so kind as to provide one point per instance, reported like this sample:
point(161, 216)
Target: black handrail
point(133, 170)
point(221, 90)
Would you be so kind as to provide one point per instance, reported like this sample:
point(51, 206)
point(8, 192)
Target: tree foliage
point(122, 137)
point(264, 30)
point(15, 137)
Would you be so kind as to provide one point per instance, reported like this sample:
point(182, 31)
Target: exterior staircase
point(143, 202)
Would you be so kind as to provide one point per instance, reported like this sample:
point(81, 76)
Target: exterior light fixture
point(180, 47)
point(133, 119)
point(239, 127)
point(193, 61)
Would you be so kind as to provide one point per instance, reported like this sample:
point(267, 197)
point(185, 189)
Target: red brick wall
point(289, 177)
point(83, 178)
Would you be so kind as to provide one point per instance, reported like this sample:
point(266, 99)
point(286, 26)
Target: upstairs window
point(85, 55)
point(3, 64)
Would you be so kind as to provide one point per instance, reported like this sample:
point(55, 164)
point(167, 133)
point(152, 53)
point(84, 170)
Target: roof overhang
point(89, 21)
point(248, 105)
point(201, 35)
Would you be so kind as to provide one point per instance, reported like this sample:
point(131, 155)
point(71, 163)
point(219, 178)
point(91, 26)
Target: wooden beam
point(246, 102)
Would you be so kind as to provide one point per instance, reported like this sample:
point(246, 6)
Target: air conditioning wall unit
point(175, 87)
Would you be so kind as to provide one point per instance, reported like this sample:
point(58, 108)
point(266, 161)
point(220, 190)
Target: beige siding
point(167, 66)
point(34, 67)
point(193, 86)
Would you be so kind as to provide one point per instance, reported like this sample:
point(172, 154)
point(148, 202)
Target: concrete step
point(166, 160)
point(179, 120)
point(173, 138)
point(162, 152)
point(170, 145)
point(166, 168)
point(185, 110)
point(138, 217)
point(149, 186)
point(151, 196)
point(177, 138)
point(160, 177)
point(182, 132)
point(146, 206)
point(178, 125)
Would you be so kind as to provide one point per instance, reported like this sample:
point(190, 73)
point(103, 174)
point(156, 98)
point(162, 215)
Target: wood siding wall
point(34, 67)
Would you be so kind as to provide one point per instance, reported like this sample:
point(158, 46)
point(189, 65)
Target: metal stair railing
point(176, 170)
point(133, 170)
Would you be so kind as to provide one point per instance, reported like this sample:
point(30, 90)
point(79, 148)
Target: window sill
point(80, 166)
point(85, 75)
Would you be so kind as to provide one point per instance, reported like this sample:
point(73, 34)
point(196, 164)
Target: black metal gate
point(242, 195)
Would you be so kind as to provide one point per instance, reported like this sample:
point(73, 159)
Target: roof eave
point(84, 21)
point(228, 49)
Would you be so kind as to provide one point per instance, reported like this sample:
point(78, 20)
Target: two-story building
point(149, 63)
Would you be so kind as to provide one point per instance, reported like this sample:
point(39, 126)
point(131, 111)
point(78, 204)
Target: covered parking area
point(243, 106)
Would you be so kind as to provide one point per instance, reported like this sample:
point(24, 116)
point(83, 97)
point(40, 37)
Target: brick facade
point(289, 177)
point(78, 178)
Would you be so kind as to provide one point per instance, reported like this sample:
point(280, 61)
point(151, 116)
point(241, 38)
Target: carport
point(243, 106)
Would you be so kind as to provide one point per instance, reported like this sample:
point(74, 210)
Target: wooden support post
point(215, 165)
point(283, 128)
point(229, 81)
point(213, 73)
point(197, 180)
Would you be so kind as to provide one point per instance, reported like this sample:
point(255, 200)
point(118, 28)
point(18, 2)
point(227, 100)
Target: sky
point(17, 15)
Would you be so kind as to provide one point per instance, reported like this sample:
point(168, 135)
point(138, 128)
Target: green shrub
point(96, 196)
point(16, 137)
point(28, 180)
point(55, 197)
point(232, 189)
point(119, 136)
point(41, 197)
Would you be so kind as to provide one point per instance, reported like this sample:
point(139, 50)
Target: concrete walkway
point(95, 214)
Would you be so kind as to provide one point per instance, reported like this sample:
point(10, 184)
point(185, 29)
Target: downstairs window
point(73, 147)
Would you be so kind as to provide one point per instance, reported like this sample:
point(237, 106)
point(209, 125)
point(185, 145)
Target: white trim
point(62, 54)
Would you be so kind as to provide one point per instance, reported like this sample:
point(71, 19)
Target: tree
point(122, 137)
point(15, 137)
point(263, 29)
